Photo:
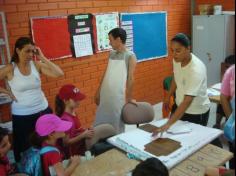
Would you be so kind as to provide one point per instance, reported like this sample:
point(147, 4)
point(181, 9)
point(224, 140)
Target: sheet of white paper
point(213, 92)
point(180, 128)
point(191, 142)
point(124, 23)
point(128, 27)
point(83, 45)
point(217, 86)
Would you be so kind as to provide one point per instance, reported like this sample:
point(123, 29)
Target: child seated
point(151, 167)
point(78, 139)
point(5, 167)
point(50, 129)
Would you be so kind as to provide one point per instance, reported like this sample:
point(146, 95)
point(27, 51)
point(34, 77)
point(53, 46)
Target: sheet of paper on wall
point(83, 45)
point(104, 24)
point(128, 27)
point(82, 30)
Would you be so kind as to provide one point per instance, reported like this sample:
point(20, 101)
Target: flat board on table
point(110, 163)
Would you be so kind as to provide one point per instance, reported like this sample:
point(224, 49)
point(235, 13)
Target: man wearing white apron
point(117, 84)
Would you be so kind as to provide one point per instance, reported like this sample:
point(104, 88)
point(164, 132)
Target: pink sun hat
point(49, 123)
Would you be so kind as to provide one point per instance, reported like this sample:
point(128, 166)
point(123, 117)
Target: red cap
point(71, 92)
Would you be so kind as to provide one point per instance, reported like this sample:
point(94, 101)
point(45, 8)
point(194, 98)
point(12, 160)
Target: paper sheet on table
point(217, 86)
point(180, 129)
point(83, 45)
point(213, 92)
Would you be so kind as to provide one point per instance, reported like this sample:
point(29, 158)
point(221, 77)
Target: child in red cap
point(50, 129)
point(78, 139)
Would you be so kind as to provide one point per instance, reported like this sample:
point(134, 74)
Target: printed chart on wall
point(146, 34)
point(104, 24)
point(52, 36)
point(81, 30)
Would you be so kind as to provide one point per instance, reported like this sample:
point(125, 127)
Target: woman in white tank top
point(29, 101)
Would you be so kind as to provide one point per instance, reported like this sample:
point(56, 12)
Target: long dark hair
point(20, 44)
point(60, 106)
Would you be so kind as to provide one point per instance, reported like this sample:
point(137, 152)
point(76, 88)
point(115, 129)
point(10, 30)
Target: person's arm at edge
point(130, 81)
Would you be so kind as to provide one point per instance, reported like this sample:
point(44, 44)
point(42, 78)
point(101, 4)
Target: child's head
point(151, 167)
point(4, 142)
point(230, 60)
point(69, 97)
point(52, 127)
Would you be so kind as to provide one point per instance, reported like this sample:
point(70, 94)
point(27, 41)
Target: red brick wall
point(86, 72)
point(227, 4)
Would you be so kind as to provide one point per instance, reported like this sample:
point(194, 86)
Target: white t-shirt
point(192, 80)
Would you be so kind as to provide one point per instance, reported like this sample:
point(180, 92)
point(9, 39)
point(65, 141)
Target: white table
point(134, 141)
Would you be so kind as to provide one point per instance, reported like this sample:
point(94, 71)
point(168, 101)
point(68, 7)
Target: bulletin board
point(147, 34)
point(51, 34)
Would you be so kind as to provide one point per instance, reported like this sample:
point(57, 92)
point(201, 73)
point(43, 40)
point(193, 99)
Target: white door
point(216, 48)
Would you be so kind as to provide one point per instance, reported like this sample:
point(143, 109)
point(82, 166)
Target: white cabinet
point(213, 40)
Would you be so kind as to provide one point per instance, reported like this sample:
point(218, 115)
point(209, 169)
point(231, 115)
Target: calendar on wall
point(4, 45)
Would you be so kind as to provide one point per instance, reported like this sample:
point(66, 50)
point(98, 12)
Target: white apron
point(112, 95)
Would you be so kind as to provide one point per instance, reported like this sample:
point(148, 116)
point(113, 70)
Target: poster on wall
point(104, 24)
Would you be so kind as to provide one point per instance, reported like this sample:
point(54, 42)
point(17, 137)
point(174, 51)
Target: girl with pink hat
point(50, 128)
